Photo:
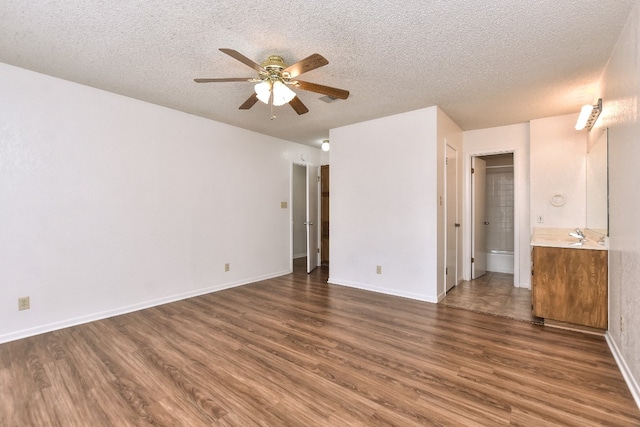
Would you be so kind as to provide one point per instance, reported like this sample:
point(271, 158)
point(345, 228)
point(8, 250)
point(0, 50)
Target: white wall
point(109, 204)
point(558, 166)
point(386, 180)
point(620, 92)
point(503, 139)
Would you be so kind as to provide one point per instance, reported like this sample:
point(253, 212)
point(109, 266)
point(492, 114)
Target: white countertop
point(560, 238)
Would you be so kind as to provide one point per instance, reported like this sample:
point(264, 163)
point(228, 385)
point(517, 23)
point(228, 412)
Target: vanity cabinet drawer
point(570, 285)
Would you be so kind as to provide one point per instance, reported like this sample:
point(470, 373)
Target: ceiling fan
point(274, 77)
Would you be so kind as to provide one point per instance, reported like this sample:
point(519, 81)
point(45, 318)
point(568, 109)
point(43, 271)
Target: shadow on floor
point(492, 293)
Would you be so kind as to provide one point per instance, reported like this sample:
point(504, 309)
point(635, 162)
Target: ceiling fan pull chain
point(273, 116)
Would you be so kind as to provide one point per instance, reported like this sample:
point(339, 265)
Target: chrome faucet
point(578, 234)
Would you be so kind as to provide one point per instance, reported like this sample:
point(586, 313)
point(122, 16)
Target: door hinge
point(473, 170)
point(318, 178)
point(318, 250)
point(446, 270)
point(446, 160)
point(473, 259)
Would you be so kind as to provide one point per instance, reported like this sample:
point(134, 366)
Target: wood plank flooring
point(295, 351)
point(492, 293)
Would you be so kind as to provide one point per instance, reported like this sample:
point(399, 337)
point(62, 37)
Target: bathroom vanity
point(569, 277)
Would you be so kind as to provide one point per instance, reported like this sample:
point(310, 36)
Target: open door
point(478, 221)
point(324, 215)
point(451, 206)
point(312, 218)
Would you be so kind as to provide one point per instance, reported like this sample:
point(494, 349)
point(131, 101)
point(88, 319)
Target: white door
point(312, 218)
point(478, 221)
point(451, 206)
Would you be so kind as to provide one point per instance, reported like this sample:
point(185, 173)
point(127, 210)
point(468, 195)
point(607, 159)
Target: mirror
point(598, 186)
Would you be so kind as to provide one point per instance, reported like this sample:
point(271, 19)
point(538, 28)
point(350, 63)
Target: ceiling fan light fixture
point(263, 91)
point(281, 93)
point(274, 77)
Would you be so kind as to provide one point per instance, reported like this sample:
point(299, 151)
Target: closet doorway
point(324, 215)
point(304, 215)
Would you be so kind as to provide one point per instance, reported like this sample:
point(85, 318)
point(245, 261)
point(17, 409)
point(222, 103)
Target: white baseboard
point(25, 333)
point(386, 291)
point(624, 368)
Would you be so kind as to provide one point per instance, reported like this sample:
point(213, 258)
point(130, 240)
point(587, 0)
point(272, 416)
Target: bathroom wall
point(557, 163)
point(500, 203)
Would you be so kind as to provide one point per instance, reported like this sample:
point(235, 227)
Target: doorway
point(495, 229)
point(324, 215)
point(451, 216)
point(304, 215)
point(491, 237)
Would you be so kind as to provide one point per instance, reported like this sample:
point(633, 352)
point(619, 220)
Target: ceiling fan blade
point(297, 105)
point(307, 64)
point(249, 102)
point(325, 90)
point(240, 57)
point(230, 79)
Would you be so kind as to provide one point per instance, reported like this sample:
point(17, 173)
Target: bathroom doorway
point(493, 289)
point(499, 213)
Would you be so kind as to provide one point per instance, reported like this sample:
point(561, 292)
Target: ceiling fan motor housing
point(274, 66)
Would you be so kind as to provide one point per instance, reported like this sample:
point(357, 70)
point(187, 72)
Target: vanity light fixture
point(588, 115)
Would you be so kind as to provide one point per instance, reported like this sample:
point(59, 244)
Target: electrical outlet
point(227, 267)
point(23, 303)
point(378, 269)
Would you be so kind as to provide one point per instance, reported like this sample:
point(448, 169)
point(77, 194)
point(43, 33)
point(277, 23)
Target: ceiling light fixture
point(588, 115)
point(325, 145)
point(281, 93)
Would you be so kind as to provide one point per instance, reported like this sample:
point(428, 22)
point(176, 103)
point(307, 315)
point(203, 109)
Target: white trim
point(130, 308)
point(386, 291)
point(624, 368)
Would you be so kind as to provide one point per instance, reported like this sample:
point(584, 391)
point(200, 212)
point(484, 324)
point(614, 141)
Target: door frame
point(316, 170)
point(456, 210)
point(520, 202)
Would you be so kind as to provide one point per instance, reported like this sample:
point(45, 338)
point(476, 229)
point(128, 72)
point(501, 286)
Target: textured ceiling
point(484, 62)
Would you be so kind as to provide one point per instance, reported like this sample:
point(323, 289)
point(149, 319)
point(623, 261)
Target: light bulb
point(585, 112)
point(325, 145)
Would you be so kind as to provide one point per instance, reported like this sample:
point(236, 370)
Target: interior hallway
point(492, 293)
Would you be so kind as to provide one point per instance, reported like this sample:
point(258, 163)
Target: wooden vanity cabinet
point(570, 285)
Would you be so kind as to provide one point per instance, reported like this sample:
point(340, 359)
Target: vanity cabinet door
point(570, 285)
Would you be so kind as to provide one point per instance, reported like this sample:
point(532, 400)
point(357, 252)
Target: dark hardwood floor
point(295, 351)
